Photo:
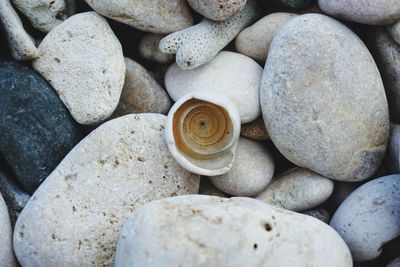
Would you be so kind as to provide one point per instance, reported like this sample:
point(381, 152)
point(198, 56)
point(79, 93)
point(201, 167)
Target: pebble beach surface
point(200, 133)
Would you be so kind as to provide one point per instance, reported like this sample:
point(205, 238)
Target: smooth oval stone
point(394, 148)
point(157, 16)
point(36, 129)
point(255, 130)
point(319, 214)
point(7, 258)
point(74, 218)
point(216, 9)
point(251, 173)
point(255, 40)
point(297, 190)
point(211, 231)
point(387, 56)
point(141, 93)
point(370, 217)
point(372, 12)
point(82, 59)
point(326, 110)
point(232, 74)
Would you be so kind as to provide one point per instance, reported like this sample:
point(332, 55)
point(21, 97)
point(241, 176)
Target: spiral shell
point(202, 133)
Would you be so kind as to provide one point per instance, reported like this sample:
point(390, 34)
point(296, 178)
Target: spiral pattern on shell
point(202, 129)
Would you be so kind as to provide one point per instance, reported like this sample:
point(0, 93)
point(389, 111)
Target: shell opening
point(202, 130)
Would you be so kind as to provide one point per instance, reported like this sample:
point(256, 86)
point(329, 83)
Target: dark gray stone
point(36, 129)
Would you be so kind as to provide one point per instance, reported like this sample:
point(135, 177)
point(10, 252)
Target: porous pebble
point(7, 258)
point(149, 49)
point(218, 10)
point(255, 40)
point(82, 59)
point(297, 190)
point(197, 45)
point(234, 75)
point(36, 129)
point(251, 173)
point(156, 16)
point(74, 218)
point(21, 43)
point(141, 93)
point(372, 12)
point(44, 15)
point(370, 217)
point(189, 230)
point(255, 130)
point(326, 110)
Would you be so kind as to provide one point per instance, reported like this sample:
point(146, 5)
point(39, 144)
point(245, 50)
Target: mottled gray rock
point(156, 16)
point(218, 10)
point(141, 93)
point(326, 110)
point(297, 190)
point(75, 216)
point(393, 154)
point(370, 217)
point(251, 173)
point(255, 130)
point(14, 197)
point(82, 59)
point(387, 57)
point(372, 12)
point(7, 258)
point(255, 40)
point(149, 49)
point(319, 214)
point(210, 231)
point(44, 15)
point(21, 43)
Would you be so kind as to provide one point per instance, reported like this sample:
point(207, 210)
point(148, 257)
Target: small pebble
point(255, 130)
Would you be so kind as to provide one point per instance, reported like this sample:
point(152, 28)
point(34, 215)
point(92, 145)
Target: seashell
point(202, 132)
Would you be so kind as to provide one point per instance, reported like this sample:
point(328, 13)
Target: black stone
point(36, 129)
point(14, 197)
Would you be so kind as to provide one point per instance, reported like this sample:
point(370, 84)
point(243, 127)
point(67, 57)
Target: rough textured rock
point(387, 56)
point(327, 110)
point(370, 217)
point(319, 214)
point(236, 76)
point(251, 173)
point(199, 44)
point(255, 40)
point(141, 93)
point(372, 12)
point(394, 31)
point(189, 230)
point(82, 59)
point(255, 130)
point(156, 16)
point(297, 190)
point(44, 15)
point(14, 197)
point(7, 258)
point(149, 49)
point(84, 202)
point(393, 154)
point(217, 10)
point(37, 130)
point(21, 44)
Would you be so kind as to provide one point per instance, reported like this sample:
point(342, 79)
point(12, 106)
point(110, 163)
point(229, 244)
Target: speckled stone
point(326, 110)
point(120, 166)
point(189, 230)
point(37, 130)
point(370, 217)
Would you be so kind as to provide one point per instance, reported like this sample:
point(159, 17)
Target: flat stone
point(297, 190)
point(371, 12)
point(251, 173)
point(372, 213)
point(75, 217)
point(236, 76)
point(7, 258)
point(326, 110)
point(159, 16)
point(189, 230)
point(216, 9)
point(37, 130)
point(83, 60)
point(141, 93)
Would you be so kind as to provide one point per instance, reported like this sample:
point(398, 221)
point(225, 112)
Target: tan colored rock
point(255, 130)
